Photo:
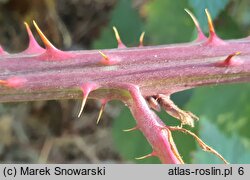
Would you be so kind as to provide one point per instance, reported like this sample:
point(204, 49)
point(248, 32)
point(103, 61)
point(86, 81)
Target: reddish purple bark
point(127, 74)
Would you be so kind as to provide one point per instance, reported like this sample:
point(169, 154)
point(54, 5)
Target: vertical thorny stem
point(152, 127)
point(142, 77)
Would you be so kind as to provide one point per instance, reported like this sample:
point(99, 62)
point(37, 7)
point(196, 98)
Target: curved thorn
point(118, 38)
point(229, 58)
point(33, 45)
point(230, 61)
point(46, 42)
point(193, 18)
point(210, 22)
point(82, 105)
point(109, 60)
point(104, 56)
point(213, 38)
point(201, 35)
point(100, 113)
point(141, 39)
point(146, 156)
point(86, 89)
point(131, 129)
point(29, 31)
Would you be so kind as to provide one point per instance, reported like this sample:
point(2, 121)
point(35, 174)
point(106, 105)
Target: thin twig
point(202, 144)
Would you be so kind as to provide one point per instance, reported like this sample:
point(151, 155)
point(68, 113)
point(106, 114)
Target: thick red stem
point(157, 134)
point(128, 74)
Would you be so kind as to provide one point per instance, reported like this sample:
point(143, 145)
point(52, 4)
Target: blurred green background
point(50, 132)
